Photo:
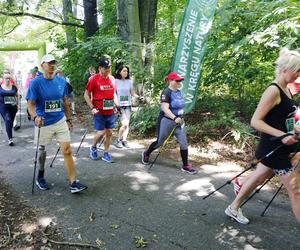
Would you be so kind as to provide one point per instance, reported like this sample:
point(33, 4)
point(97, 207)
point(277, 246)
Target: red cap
point(174, 76)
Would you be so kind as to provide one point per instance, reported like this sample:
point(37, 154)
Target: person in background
point(100, 96)
point(294, 87)
point(32, 74)
point(8, 103)
point(91, 71)
point(125, 91)
point(20, 94)
point(170, 117)
point(70, 91)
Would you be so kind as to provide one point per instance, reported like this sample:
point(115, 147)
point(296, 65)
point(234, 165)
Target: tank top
point(279, 117)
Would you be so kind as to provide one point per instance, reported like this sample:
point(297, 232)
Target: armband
point(175, 118)
point(34, 118)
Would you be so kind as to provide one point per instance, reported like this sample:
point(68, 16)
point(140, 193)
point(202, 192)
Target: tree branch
point(41, 18)
point(17, 25)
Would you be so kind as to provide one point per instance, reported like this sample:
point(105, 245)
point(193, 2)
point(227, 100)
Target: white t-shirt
point(124, 88)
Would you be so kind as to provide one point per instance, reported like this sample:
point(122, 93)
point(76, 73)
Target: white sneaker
point(237, 215)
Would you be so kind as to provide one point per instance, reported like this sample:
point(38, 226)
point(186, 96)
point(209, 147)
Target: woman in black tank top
point(273, 117)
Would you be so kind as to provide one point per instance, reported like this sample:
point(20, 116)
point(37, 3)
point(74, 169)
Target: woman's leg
point(260, 174)
point(8, 120)
point(292, 184)
point(165, 128)
point(180, 134)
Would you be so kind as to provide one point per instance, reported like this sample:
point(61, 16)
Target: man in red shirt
point(100, 96)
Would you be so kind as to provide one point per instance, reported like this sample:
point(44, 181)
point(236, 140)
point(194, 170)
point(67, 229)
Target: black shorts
point(280, 159)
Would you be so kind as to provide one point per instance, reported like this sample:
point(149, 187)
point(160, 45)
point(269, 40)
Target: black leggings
point(8, 114)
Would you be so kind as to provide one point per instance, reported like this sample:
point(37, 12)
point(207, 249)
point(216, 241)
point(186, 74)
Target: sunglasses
point(6, 72)
point(108, 67)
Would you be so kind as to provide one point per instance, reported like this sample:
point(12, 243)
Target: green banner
point(190, 48)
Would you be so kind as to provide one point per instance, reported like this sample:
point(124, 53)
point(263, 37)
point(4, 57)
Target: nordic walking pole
point(35, 160)
point(83, 136)
point(257, 190)
point(263, 213)
point(252, 166)
point(20, 118)
point(162, 146)
point(101, 141)
point(51, 165)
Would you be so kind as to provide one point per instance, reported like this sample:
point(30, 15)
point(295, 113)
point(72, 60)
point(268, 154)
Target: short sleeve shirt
point(124, 88)
point(48, 96)
point(175, 100)
point(103, 90)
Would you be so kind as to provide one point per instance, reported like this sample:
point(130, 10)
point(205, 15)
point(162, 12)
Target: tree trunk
point(90, 17)
point(67, 13)
point(128, 21)
point(147, 15)
point(129, 26)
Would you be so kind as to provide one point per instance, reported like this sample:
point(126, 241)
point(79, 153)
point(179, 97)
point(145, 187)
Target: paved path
point(124, 200)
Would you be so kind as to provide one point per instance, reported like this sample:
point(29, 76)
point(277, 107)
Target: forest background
point(243, 43)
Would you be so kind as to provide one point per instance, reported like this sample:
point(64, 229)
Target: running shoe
point(125, 144)
point(188, 169)
point(76, 187)
point(93, 153)
point(236, 215)
point(107, 157)
point(119, 143)
point(236, 186)
point(41, 183)
point(16, 127)
point(145, 158)
point(10, 142)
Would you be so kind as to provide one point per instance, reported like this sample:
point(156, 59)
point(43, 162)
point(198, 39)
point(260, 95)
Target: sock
point(41, 174)
point(184, 156)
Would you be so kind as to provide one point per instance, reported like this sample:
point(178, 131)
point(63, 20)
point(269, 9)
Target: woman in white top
point(125, 91)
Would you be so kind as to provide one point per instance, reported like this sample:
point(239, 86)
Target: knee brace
point(42, 157)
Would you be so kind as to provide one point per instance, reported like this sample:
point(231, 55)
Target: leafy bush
point(144, 121)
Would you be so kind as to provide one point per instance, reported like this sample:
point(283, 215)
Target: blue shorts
point(102, 122)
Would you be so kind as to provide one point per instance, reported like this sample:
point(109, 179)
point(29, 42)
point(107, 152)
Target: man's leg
point(40, 181)
point(108, 134)
point(68, 159)
point(75, 185)
point(98, 137)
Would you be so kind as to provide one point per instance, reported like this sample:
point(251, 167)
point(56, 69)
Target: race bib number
point(124, 100)
point(290, 123)
point(11, 100)
point(108, 104)
point(52, 106)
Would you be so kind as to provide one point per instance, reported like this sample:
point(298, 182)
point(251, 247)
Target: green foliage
point(85, 54)
point(243, 45)
point(144, 121)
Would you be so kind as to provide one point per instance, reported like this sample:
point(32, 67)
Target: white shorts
point(59, 130)
point(125, 114)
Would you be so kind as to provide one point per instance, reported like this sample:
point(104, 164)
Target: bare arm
point(87, 98)
point(31, 109)
point(67, 109)
point(269, 99)
point(67, 112)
